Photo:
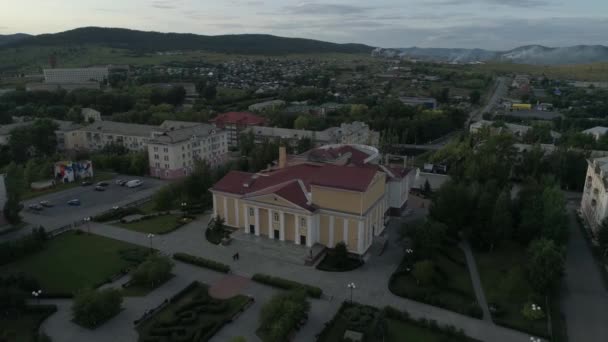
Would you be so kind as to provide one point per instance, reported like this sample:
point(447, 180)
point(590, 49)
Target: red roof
point(292, 182)
point(357, 157)
point(239, 118)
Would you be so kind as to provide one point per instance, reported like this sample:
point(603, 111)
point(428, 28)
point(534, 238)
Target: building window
point(250, 211)
point(166, 158)
point(303, 221)
point(165, 149)
point(155, 148)
point(276, 217)
point(156, 156)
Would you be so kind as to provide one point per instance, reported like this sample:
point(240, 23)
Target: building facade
point(172, 153)
point(236, 122)
point(76, 75)
point(99, 134)
point(594, 204)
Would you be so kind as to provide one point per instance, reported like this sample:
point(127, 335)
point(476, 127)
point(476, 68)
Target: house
point(426, 102)
point(173, 150)
point(597, 132)
point(236, 122)
point(594, 204)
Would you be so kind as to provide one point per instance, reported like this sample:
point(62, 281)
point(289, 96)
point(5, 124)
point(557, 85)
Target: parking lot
point(91, 202)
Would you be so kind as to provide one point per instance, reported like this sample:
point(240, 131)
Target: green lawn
point(162, 224)
point(73, 261)
point(195, 316)
point(141, 291)
point(99, 176)
point(22, 327)
point(452, 289)
point(503, 277)
point(148, 207)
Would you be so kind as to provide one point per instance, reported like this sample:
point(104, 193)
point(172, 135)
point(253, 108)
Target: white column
point(309, 233)
point(282, 226)
point(236, 210)
point(296, 227)
point(246, 208)
point(270, 227)
point(345, 231)
point(226, 210)
point(257, 221)
point(360, 237)
point(214, 206)
point(331, 231)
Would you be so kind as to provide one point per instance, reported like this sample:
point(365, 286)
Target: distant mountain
point(5, 39)
point(530, 54)
point(156, 41)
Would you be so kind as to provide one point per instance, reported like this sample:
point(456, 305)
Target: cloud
point(311, 8)
point(508, 3)
point(166, 4)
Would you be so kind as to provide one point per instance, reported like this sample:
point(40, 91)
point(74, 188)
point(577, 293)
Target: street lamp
point(88, 221)
point(36, 295)
point(184, 205)
point(150, 236)
point(352, 287)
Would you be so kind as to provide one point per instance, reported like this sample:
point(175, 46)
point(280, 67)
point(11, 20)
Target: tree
point(13, 183)
point(545, 264)
point(153, 271)
point(452, 205)
point(424, 272)
point(302, 122)
point(501, 224)
point(164, 198)
point(217, 224)
point(91, 308)
point(210, 92)
point(282, 314)
point(474, 97)
point(427, 187)
point(427, 238)
point(555, 217)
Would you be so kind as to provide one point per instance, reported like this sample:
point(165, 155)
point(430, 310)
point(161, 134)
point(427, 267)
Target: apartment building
point(97, 135)
point(236, 122)
point(76, 75)
point(173, 151)
point(594, 204)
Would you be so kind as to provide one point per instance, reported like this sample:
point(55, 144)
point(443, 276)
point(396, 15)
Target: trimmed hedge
point(202, 262)
point(116, 214)
point(285, 284)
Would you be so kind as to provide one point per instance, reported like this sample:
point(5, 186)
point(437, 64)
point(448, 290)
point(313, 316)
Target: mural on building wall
point(69, 171)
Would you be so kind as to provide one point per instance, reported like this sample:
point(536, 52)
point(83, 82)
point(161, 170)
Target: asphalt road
point(500, 91)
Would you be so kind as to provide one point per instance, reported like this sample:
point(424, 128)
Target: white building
point(76, 75)
point(173, 150)
point(594, 205)
point(99, 134)
point(90, 115)
point(597, 132)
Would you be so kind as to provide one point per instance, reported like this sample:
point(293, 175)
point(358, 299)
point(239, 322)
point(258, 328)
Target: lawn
point(25, 326)
point(161, 224)
point(505, 285)
point(453, 290)
point(73, 261)
point(142, 291)
point(192, 315)
point(99, 176)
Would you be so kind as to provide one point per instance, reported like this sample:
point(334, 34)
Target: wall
point(339, 200)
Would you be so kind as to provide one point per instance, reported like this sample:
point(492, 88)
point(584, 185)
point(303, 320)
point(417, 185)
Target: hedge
point(116, 214)
point(285, 284)
point(202, 262)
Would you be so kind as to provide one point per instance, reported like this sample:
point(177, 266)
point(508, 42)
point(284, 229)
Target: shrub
point(92, 308)
point(282, 314)
point(116, 214)
point(202, 262)
point(286, 284)
point(153, 271)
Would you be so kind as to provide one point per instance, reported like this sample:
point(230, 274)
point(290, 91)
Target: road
point(500, 91)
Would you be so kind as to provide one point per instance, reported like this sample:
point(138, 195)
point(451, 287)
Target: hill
point(530, 54)
point(5, 39)
point(157, 41)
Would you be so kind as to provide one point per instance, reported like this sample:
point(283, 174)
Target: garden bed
point(202, 262)
point(191, 316)
point(332, 262)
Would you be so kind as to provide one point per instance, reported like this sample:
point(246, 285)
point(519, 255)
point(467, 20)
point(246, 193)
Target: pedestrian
point(233, 257)
point(237, 256)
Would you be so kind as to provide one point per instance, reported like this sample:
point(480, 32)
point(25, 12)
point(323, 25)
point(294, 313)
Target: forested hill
point(156, 41)
point(5, 39)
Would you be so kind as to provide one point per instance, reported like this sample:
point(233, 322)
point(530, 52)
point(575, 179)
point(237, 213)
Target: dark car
point(86, 183)
point(100, 188)
point(36, 207)
point(122, 182)
point(104, 184)
point(46, 204)
point(74, 202)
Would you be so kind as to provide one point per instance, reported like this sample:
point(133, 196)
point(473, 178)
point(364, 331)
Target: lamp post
point(36, 295)
point(150, 237)
point(88, 221)
point(184, 205)
point(352, 287)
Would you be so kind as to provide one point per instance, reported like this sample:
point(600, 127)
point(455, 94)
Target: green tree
point(474, 97)
point(302, 122)
point(91, 308)
point(424, 272)
point(452, 205)
point(164, 198)
point(281, 315)
point(501, 224)
point(427, 238)
point(14, 185)
point(153, 271)
point(555, 217)
point(545, 264)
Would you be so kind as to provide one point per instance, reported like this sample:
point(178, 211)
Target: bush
point(16, 249)
point(202, 262)
point(286, 284)
point(116, 214)
point(92, 308)
point(282, 314)
point(155, 270)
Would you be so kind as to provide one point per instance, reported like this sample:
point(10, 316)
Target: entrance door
point(277, 234)
point(251, 229)
point(303, 240)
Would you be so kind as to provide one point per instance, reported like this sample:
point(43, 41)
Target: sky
point(488, 24)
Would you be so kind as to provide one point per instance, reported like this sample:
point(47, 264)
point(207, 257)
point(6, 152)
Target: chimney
point(282, 157)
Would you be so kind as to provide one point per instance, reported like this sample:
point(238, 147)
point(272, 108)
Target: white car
point(134, 183)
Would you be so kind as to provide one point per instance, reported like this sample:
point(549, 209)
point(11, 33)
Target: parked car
point(134, 183)
point(103, 184)
point(46, 204)
point(36, 207)
point(100, 188)
point(86, 183)
point(74, 202)
point(120, 182)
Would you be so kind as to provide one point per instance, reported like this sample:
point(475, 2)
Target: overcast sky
point(490, 24)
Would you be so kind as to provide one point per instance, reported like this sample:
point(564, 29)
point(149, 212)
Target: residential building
point(426, 102)
point(515, 129)
point(597, 132)
point(236, 122)
point(594, 204)
point(172, 153)
point(97, 135)
point(90, 115)
point(76, 75)
point(520, 81)
point(268, 105)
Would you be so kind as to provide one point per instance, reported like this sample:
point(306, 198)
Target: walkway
point(584, 298)
point(476, 280)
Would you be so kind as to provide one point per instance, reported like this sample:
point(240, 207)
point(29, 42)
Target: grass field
point(73, 261)
point(162, 224)
point(505, 285)
point(99, 176)
point(580, 72)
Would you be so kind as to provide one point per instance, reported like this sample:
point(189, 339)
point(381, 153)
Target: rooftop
point(183, 134)
point(120, 128)
point(241, 118)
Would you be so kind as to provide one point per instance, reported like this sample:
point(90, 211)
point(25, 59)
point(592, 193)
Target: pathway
point(584, 298)
point(476, 280)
